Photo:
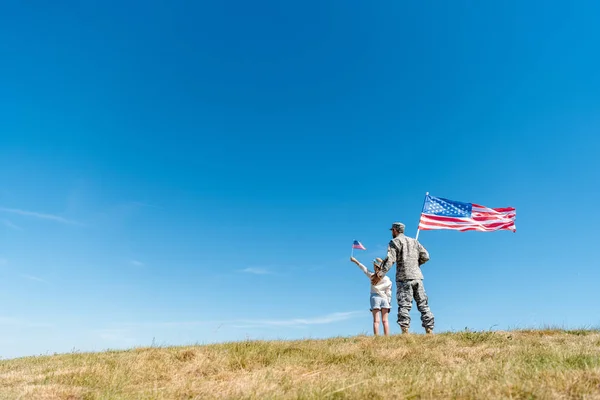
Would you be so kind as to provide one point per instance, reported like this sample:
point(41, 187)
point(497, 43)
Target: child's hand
point(354, 260)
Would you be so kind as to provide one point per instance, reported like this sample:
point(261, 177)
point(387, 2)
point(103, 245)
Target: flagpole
point(418, 229)
point(352, 253)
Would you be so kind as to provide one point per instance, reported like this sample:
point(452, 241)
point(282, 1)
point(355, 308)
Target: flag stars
point(443, 208)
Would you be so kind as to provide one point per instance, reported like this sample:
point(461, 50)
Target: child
point(381, 296)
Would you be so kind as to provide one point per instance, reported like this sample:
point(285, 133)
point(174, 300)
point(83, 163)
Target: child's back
point(381, 296)
point(383, 288)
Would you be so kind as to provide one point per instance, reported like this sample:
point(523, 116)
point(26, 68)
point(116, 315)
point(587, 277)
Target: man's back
point(410, 255)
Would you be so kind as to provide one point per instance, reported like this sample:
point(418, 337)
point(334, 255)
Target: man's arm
point(389, 260)
point(423, 254)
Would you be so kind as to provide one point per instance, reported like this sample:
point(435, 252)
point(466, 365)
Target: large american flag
point(441, 213)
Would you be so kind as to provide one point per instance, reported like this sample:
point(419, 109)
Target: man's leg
point(404, 295)
point(423, 305)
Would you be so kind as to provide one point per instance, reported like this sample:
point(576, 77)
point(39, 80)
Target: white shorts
point(378, 302)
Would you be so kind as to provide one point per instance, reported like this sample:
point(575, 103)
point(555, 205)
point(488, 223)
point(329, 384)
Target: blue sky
point(181, 173)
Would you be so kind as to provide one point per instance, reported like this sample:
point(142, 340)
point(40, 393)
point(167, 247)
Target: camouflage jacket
point(408, 254)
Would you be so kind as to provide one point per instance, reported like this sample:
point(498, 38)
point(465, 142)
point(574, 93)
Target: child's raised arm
point(364, 269)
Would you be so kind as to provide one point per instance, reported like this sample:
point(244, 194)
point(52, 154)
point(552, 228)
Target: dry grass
point(548, 364)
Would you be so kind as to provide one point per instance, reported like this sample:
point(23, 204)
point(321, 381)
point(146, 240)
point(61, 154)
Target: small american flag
point(441, 213)
point(358, 245)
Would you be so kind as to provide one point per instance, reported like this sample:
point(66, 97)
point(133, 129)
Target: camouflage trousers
point(405, 292)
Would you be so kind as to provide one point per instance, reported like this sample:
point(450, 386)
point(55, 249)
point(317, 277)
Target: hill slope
point(520, 365)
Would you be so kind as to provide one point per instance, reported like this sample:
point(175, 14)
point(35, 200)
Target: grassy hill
point(548, 364)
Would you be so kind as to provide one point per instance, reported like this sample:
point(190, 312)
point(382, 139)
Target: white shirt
point(383, 287)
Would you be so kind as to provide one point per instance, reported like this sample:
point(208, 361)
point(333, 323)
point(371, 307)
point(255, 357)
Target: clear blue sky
point(196, 172)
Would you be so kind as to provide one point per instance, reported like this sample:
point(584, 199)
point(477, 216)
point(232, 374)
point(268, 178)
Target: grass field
point(541, 364)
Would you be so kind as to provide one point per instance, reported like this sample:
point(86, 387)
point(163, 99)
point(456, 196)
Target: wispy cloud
point(50, 217)
point(33, 278)
point(10, 321)
point(172, 324)
point(137, 263)
point(257, 323)
point(256, 271)
point(296, 322)
point(10, 225)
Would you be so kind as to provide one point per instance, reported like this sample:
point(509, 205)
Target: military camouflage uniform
point(409, 255)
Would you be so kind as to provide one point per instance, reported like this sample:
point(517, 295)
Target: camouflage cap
point(399, 226)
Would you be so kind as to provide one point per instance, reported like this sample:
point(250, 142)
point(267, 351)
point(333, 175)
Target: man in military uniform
point(409, 255)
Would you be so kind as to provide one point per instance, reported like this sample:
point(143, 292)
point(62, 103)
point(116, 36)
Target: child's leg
point(384, 318)
point(375, 321)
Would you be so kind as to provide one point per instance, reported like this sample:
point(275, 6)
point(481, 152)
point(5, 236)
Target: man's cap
point(399, 226)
